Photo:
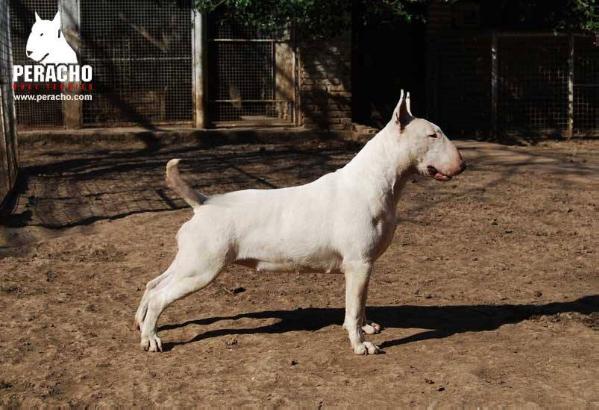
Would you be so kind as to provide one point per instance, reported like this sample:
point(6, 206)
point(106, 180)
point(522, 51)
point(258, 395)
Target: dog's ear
point(56, 22)
point(402, 115)
point(408, 104)
point(56, 19)
point(37, 17)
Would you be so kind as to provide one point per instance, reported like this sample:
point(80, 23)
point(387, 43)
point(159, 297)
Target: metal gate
point(141, 55)
point(8, 135)
point(251, 75)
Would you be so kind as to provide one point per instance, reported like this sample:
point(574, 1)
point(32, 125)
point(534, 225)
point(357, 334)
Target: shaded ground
point(489, 292)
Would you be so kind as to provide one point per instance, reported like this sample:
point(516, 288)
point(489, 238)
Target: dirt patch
point(488, 295)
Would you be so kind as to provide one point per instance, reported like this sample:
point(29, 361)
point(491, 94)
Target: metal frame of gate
point(253, 78)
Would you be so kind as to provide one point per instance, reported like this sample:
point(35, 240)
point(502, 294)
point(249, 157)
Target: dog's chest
point(384, 229)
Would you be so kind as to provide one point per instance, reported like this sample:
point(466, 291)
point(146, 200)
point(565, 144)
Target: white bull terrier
point(46, 43)
point(340, 223)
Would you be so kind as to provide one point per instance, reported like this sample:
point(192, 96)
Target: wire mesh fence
point(545, 83)
point(142, 58)
point(586, 85)
point(461, 97)
point(533, 83)
point(141, 55)
point(141, 52)
point(31, 114)
point(252, 74)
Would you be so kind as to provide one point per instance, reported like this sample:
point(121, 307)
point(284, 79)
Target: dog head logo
point(46, 43)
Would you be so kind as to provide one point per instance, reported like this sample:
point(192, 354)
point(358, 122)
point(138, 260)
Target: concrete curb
point(166, 135)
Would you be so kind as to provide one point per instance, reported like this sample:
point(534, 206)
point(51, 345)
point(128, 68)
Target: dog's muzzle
point(440, 176)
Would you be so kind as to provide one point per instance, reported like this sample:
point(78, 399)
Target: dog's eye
point(432, 135)
point(41, 34)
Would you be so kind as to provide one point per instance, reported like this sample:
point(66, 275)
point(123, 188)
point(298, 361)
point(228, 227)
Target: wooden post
point(494, 83)
point(72, 110)
point(198, 51)
point(8, 120)
point(570, 130)
point(284, 77)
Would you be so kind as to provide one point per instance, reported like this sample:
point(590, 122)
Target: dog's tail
point(178, 184)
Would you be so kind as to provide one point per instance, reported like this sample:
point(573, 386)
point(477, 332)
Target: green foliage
point(271, 15)
point(561, 15)
point(315, 18)
point(579, 14)
point(319, 18)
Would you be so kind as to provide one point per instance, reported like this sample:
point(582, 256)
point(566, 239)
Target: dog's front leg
point(368, 326)
point(357, 275)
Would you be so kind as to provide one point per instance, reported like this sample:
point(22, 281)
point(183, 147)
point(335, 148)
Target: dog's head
point(44, 38)
point(431, 152)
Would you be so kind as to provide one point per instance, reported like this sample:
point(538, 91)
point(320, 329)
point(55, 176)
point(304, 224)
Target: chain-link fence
point(529, 83)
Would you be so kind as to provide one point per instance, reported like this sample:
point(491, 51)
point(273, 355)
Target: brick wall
point(325, 84)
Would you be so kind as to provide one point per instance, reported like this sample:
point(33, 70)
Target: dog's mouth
point(435, 173)
point(43, 58)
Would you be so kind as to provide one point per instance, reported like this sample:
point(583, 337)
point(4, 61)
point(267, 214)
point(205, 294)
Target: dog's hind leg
point(189, 275)
point(143, 304)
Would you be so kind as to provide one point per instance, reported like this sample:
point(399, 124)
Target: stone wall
point(325, 84)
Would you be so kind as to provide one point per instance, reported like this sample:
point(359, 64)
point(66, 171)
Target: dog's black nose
point(29, 53)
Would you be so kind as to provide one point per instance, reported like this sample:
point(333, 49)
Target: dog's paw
point(366, 348)
point(371, 328)
point(151, 343)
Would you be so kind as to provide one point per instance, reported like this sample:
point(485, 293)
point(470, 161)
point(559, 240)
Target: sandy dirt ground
point(489, 293)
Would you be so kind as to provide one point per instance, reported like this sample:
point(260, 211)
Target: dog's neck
point(382, 167)
point(60, 50)
point(63, 45)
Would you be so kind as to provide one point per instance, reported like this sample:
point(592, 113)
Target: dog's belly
point(330, 264)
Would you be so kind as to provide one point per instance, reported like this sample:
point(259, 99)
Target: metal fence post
point(570, 131)
point(70, 19)
point(198, 50)
point(494, 81)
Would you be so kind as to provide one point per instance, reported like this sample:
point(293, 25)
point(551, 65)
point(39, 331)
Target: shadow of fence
point(73, 188)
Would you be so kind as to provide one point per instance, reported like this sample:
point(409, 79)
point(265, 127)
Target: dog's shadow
point(441, 321)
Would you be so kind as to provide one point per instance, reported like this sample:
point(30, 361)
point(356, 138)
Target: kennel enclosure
point(150, 61)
